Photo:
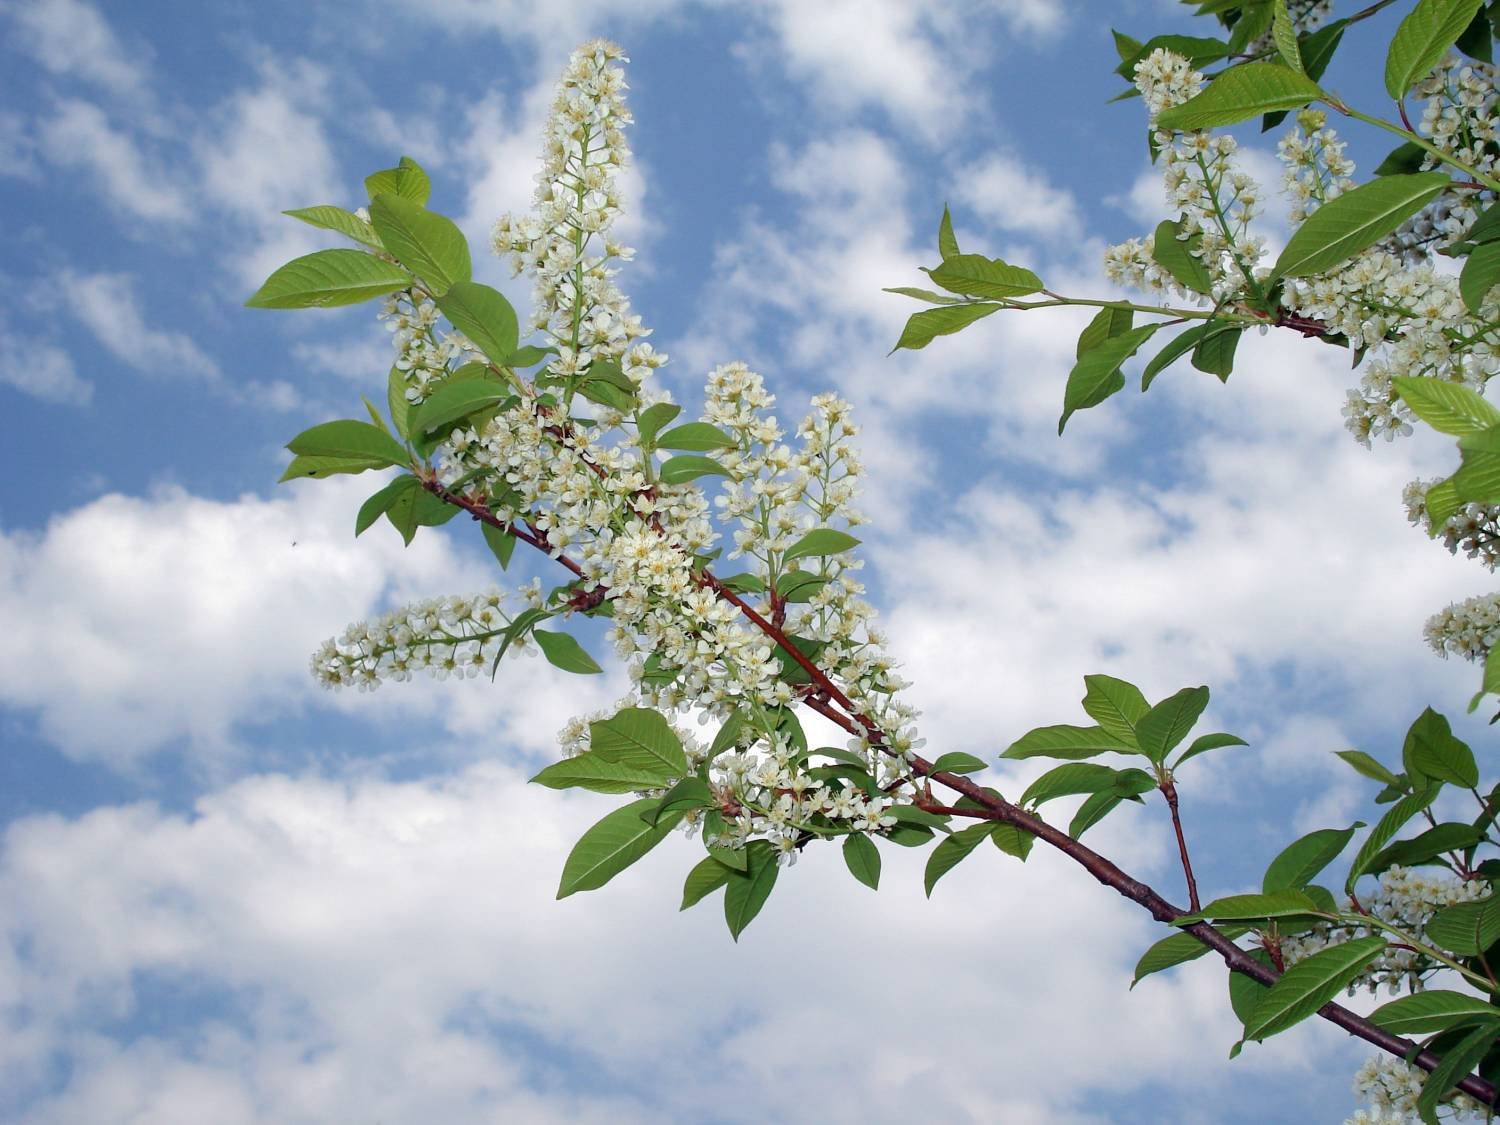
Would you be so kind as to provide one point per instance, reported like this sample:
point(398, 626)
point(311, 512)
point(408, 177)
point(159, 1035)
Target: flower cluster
point(1406, 898)
point(1468, 628)
point(457, 637)
point(425, 352)
point(1474, 529)
point(1316, 168)
point(587, 487)
point(1215, 200)
point(1391, 1089)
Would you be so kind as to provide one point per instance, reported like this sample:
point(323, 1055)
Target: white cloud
point(109, 306)
point(73, 39)
point(79, 135)
point(42, 370)
point(1012, 196)
point(392, 951)
point(263, 153)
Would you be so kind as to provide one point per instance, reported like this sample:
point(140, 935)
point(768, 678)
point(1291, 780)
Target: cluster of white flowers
point(425, 352)
point(1406, 898)
point(1468, 628)
point(1415, 322)
point(1474, 529)
point(457, 637)
point(1391, 1089)
point(1216, 202)
point(588, 490)
point(1316, 168)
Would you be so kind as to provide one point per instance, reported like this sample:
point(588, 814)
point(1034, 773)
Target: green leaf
point(328, 278)
point(956, 761)
point(1446, 837)
point(1367, 766)
point(1197, 50)
point(1457, 1061)
point(1094, 809)
point(640, 738)
point(1168, 723)
point(1252, 908)
point(1467, 929)
point(1476, 40)
point(1423, 39)
point(1108, 323)
point(1206, 742)
point(1478, 478)
point(563, 651)
point(416, 507)
point(819, 542)
point(799, 586)
point(1386, 827)
point(863, 859)
point(1404, 159)
point(601, 775)
point(1175, 256)
point(407, 180)
point(1240, 93)
point(1442, 502)
point(1097, 375)
point(529, 354)
point(1214, 353)
point(1254, 21)
point(1176, 348)
point(1065, 741)
point(1449, 408)
point(611, 846)
point(1115, 705)
point(974, 275)
point(705, 878)
point(350, 440)
point(1431, 750)
point(744, 895)
point(484, 316)
point(428, 244)
point(653, 418)
point(1309, 984)
point(337, 219)
point(947, 855)
point(455, 400)
point(1126, 47)
point(1068, 779)
point(396, 402)
point(1012, 840)
point(696, 437)
point(1300, 861)
point(1481, 273)
point(689, 793)
point(319, 467)
point(502, 544)
point(1486, 228)
point(922, 295)
point(947, 244)
point(924, 327)
point(1245, 992)
point(1284, 35)
point(375, 507)
point(680, 470)
point(1176, 950)
point(1429, 1011)
point(1356, 220)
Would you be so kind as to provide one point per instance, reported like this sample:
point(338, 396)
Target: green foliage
point(350, 440)
point(1096, 375)
point(1240, 93)
point(563, 651)
point(1302, 859)
point(680, 470)
point(1423, 38)
point(483, 315)
point(641, 739)
point(973, 275)
point(1355, 221)
point(926, 326)
point(337, 219)
point(863, 860)
point(612, 845)
point(952, 850)
point(819, 542)
point(695, 437)
point(746, 892)
point(327, 278)
point(428, 244)
point(1309, 984)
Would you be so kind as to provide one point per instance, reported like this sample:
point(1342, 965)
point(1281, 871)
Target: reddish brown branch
point(1169, 791)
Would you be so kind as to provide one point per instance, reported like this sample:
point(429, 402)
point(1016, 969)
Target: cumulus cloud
point(392, 950)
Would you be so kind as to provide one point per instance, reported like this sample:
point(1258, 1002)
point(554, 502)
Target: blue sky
point(227, 896)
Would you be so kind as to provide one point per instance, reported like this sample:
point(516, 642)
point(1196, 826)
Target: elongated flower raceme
point(571, 460)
